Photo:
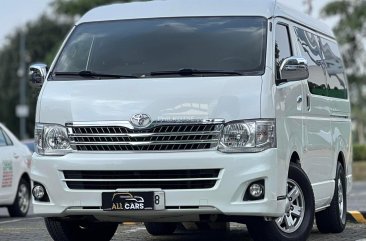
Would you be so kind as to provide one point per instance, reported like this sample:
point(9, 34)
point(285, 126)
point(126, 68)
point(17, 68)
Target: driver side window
point(282, 46)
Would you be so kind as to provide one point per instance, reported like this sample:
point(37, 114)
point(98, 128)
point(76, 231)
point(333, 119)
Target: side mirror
point(294, 69)
point(37, 74)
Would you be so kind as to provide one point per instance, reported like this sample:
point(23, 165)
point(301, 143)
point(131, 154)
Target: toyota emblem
point(140, 120)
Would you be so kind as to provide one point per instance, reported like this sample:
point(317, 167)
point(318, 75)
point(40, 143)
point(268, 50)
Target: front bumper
point(226, 197)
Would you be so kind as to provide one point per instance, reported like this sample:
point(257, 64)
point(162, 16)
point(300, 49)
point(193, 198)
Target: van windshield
point(160, 47)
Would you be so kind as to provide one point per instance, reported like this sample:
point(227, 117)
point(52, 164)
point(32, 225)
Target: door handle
point(15, 155)
point(299, 99)
point(299, 103)
point(308, 105)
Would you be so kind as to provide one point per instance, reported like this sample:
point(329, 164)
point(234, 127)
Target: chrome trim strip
point(127, 124)
point(74, 150)
point(203, 133)
point(143, 143)
point(206, 133)
point(340, 116)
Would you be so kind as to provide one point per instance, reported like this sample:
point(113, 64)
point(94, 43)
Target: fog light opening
point(39, 193)
point(255, 191)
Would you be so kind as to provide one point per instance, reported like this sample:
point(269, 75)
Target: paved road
point(357, 198)
point(33, 229)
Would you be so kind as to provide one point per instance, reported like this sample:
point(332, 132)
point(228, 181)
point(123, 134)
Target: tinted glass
point(282, 46)
point(2, 138)
point(139, 47)
point(310, 50)
point(337, 79)
point(7, 139)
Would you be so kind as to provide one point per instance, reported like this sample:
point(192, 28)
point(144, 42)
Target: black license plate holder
point(133, 201)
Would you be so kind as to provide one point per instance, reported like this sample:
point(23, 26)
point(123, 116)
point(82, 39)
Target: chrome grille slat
point(149, 134)
point(164, 137)
point(143, 142)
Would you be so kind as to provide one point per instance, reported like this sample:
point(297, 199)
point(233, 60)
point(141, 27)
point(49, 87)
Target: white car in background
point(15, 161)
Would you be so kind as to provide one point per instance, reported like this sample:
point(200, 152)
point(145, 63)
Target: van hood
point(229, 98)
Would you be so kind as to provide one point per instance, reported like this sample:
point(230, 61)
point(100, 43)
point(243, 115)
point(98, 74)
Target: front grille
point(161, 179)
point(177, 137)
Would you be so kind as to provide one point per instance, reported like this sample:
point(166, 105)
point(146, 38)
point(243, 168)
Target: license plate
point(133, 201)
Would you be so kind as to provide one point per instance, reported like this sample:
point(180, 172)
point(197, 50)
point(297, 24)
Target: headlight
point(51, 139)
point(248, 136)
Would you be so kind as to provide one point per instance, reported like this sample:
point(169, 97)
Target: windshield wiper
point(87, 73)
point(191, 72)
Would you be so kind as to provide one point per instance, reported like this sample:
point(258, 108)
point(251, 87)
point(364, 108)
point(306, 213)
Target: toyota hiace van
point(193, 111)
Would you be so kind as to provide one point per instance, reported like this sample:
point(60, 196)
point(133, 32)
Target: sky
point(15, 13)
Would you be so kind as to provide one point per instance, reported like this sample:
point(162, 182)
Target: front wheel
point(21, 203)
point(65, 230)
point(298, 220)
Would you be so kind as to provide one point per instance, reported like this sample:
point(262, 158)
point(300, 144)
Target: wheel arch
point(295, 158)
point(26, 177)
point(341, 159)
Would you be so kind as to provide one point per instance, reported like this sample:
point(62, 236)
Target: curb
point(356, 217)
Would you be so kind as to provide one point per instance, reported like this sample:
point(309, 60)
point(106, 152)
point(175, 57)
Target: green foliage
point(350, 32)
point(42, 36)
point(359, 152)
point(350, 29)
point(336, 8)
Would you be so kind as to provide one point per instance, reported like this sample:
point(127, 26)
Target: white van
point(199, 110)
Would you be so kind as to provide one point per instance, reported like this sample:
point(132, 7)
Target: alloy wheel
point(295, 208)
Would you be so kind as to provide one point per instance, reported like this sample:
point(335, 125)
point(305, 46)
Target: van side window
point(282, 46)
point(310, 50)
point(333, 61)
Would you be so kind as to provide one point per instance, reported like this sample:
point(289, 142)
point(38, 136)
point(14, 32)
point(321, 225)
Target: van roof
point(200, 8)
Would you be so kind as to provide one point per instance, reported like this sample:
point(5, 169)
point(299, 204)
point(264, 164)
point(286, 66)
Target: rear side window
point(2, 139)
point(337, 80)
point(7, 139)
point(282, 46)
point(310, 50)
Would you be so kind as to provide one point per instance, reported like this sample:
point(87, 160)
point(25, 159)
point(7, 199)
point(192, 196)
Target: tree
point(350, 32)
point(309, 4)
point(43, 38)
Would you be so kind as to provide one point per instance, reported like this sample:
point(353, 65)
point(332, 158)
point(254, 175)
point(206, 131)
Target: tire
point(62, 230)
point(158, 229)
point(299, 194)
point(333, 219)
point(21, 204)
